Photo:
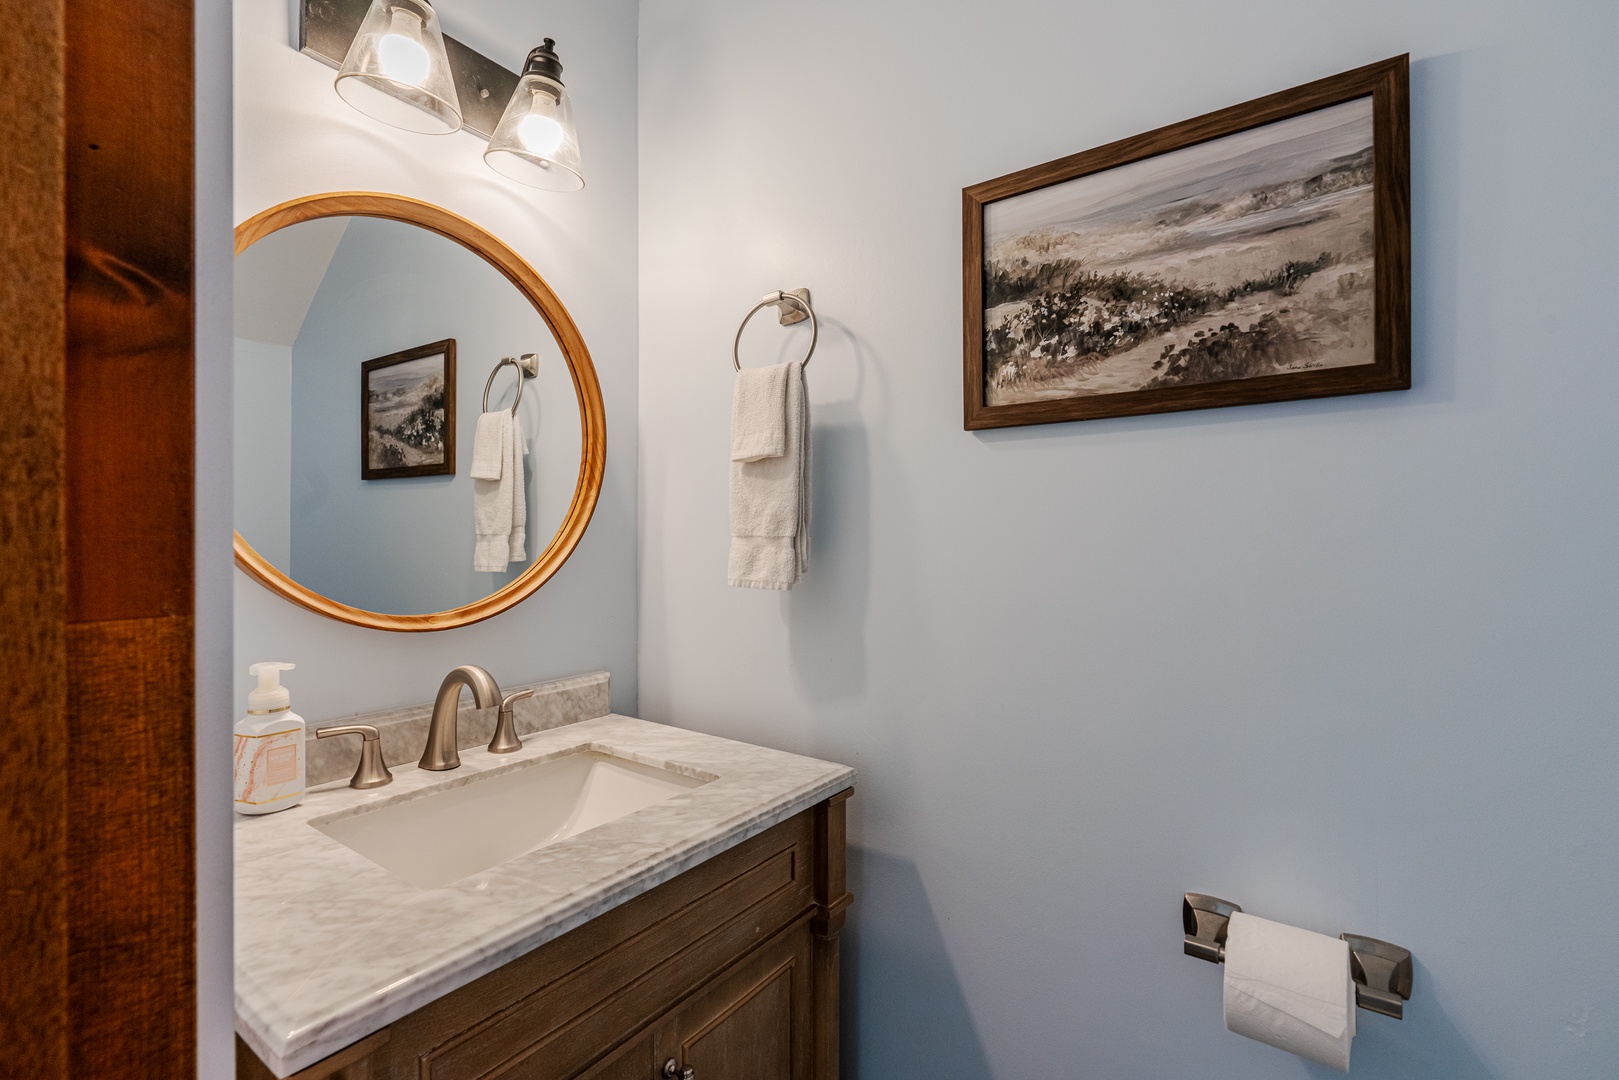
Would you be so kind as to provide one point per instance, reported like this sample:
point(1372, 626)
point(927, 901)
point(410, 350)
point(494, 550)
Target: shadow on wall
point(1423, 1046)
point(904, 1015)
point(826, 612)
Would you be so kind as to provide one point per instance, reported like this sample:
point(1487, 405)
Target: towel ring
point(527, 367)
point(780, 300)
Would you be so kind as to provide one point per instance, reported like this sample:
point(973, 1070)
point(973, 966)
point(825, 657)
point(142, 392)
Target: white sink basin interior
point(450, 833)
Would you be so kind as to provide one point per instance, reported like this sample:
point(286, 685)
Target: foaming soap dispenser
point(269, 766)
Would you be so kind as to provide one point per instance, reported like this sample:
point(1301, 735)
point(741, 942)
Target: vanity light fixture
point(395, 64)
point(396, 69)
point(535, 142)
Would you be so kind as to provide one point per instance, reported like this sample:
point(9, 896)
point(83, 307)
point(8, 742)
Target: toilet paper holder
point(1381, 970)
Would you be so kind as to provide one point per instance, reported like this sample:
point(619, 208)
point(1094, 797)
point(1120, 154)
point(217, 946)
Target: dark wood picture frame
point(420, 352)
point(1387, 84)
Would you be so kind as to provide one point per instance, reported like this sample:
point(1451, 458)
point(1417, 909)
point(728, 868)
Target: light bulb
point(401, 54)
point(540, 134)
point(535, 142)
point(402, 59)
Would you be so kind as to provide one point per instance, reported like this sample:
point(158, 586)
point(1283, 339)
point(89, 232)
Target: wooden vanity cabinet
point(729, 970)
point(755, 1020)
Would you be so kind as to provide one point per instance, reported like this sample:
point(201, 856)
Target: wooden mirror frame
point(592, 414)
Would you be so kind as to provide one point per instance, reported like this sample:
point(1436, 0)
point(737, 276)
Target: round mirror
point(370, 486)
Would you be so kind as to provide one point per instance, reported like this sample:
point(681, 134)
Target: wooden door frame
point(97, 804)
point(33, 591)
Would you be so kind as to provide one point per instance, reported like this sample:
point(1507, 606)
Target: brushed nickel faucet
point(443, 752)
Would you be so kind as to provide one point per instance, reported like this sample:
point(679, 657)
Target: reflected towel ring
point(780, 300)
point(528, 366)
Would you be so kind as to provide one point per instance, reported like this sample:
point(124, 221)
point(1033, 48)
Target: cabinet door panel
point(754, 1039)
point(753, 1023)
point(633, 1062)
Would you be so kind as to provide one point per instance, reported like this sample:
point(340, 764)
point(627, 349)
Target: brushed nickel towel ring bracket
point(794, 305)
point(527, 365)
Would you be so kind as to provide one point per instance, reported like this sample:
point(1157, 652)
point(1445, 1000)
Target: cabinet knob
point(673, 1071)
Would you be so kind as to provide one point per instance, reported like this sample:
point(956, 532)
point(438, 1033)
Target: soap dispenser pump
point(269, 759)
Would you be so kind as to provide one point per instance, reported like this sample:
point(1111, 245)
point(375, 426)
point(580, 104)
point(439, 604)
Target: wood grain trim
point(832, 896)
point(1388, 84)
point(34, 1019)
point(130, 455)
point(587, 388)
point(832, 901)
point(132, 908)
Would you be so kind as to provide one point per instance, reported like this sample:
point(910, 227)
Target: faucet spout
point(443, 736)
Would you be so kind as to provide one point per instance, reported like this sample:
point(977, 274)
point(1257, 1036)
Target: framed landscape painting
point(407, 413)
point(1260, 253)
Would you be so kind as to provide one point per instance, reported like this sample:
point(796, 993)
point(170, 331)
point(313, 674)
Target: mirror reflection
point(363, 346)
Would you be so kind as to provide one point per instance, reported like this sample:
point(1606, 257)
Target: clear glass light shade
point(396, 70)
point(535, 142)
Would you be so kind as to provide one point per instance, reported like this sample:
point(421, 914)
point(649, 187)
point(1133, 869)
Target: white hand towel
point(770, 496)
point(486, 445)
point(501, 505)
point(519, 533)
point(759, 413)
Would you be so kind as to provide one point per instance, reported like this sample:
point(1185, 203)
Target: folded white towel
point(770, 496)
point(486, 444)
point(519, 534)
point(500, 506)
point(759, 413)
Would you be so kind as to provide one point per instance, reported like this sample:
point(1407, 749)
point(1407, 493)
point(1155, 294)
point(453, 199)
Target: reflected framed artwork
point(1259, 253)
point(407, 413)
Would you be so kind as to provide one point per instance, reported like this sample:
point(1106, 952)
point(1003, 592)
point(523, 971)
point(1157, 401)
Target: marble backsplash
point(556, 702)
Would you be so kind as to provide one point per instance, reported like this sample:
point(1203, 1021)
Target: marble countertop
point(331, 947)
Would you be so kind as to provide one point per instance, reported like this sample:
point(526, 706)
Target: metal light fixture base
point(790, 312)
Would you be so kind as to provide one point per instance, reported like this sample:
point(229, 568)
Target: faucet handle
point(372, 771)
point(506, 740)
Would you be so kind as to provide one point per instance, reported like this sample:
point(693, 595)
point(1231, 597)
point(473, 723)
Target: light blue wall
point(262, 414)
point(405, 545)
point(1348, 662)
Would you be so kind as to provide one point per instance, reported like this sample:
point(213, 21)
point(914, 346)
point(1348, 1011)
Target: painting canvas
point(1246, 266)
point(407, 413)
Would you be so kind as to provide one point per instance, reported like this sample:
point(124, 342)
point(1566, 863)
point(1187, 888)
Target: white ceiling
point(277, 278)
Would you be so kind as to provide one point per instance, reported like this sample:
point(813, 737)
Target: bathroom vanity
point(680, 918)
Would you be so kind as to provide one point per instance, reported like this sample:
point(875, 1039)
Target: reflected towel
point(487, 451)
point(500, 506)
point(770, 496)
point(519, 534)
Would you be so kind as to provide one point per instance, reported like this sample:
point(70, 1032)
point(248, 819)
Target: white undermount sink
point(450, 833)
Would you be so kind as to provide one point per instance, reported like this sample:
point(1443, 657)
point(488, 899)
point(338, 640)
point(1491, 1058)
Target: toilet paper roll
point(1289, 988)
